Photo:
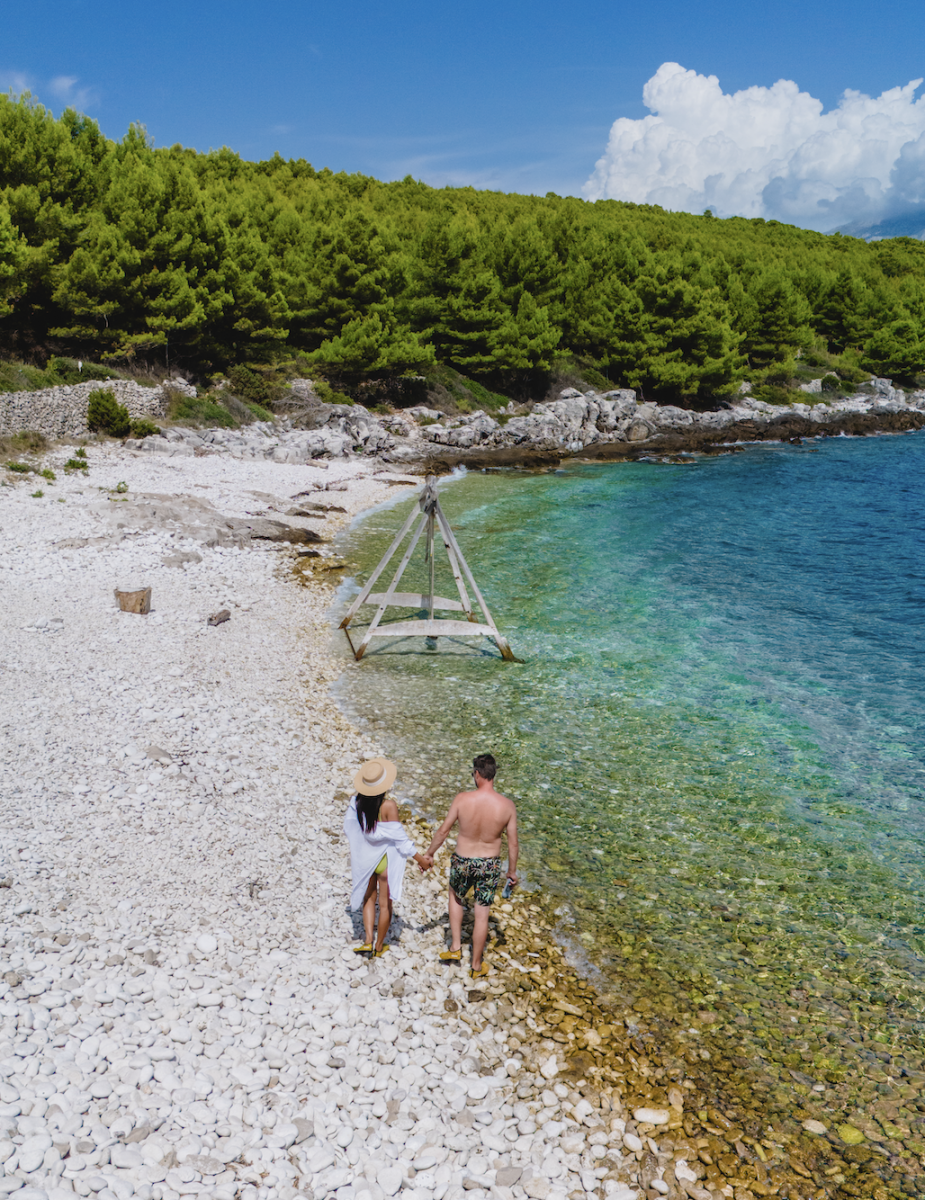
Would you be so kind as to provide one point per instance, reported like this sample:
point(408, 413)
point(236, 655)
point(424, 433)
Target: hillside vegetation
point(122, 252)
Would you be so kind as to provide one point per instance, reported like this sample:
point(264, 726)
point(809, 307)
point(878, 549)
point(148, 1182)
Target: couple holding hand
point(379, 848)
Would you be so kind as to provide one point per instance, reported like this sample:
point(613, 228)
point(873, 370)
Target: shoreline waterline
point(821, 1009)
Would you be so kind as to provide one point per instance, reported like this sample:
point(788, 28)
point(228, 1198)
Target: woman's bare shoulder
point(389, 810)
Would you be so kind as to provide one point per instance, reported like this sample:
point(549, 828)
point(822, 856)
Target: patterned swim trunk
point(484, 874)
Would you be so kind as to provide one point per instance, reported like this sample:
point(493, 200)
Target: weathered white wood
point(387, 598)
point(416, 600)
point(363, 597)
point(435, 628)
point(506, 651)
point(450, 536)
point(431, 518)
point(457, 575)
point(430, 555)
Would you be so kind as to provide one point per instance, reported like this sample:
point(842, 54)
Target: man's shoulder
point(493, 797)
point(462, 797)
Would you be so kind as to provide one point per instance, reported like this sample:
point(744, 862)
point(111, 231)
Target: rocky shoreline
point(614, 424)
point(609, 425)
point(181, 1012)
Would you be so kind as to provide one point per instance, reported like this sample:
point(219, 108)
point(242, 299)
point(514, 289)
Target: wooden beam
point(506, 651)
point(415, 600)
point(384, 562)
point(435, 628)
point(387, 598)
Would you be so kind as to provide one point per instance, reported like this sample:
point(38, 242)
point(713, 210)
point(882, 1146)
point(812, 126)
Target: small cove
point(715, 743)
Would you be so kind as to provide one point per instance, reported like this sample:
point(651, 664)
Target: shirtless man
point(483, 816)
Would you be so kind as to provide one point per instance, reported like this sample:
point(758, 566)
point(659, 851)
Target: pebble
point(652, 1116)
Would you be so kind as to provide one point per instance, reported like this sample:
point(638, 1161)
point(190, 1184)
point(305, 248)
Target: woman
point(379, 847)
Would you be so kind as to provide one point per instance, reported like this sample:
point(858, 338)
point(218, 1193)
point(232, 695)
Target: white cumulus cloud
point(767, 152)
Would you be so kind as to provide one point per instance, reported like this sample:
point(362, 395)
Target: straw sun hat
point(375, 777)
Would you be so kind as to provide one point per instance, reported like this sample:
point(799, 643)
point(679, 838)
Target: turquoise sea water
point(715, 738)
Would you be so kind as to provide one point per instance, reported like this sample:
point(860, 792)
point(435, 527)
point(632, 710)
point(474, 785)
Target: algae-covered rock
point(849, 1135)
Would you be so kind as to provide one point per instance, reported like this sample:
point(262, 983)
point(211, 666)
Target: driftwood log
point(134, 602)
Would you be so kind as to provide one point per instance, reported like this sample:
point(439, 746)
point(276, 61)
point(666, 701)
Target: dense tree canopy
point(117, 249)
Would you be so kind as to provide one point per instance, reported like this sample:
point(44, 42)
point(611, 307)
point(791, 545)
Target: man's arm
point(512, 847)
point(440, 836)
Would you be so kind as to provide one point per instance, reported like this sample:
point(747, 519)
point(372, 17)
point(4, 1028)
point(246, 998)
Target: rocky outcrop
point(576, 422)
point(579, 421)
point(61, 412)
point(339, 430)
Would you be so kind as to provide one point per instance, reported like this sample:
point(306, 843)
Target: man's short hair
point(485, 765)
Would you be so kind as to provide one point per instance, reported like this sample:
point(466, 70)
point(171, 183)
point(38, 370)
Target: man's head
point(485, 766)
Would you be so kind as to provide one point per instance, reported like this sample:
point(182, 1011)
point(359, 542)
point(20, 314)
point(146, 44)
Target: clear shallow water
point(715, 738)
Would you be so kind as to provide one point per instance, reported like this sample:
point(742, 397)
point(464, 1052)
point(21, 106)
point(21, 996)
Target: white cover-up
point(367, 849)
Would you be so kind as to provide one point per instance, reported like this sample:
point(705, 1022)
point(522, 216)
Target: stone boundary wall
point(61, 412)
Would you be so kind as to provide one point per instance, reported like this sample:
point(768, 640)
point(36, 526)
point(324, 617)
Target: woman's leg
point(369, 910)
point(385, 909)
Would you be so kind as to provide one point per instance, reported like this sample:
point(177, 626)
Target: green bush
point(81, 453)
point(37, 495)
point(247, 385)
point(326, 393)
point(199, 410)
point(776, 393)
point(21, 377)
point(77, 464)
point(66, 370)
point(243, 411)
point(831, 383)
point(144, 428)
point(852, 374)
point(20, 468)
point(48, 473)
point(106, 415)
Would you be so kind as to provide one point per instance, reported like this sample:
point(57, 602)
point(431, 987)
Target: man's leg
point(479, 935)
point(456, 910)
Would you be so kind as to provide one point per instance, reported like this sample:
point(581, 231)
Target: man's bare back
point(483, 816)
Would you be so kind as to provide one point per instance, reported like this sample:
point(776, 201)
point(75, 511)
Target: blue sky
point(511, 95)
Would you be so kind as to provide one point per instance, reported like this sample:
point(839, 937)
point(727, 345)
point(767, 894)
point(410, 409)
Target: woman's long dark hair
point(368, 811)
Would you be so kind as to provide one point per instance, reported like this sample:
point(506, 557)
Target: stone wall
point(61, 412)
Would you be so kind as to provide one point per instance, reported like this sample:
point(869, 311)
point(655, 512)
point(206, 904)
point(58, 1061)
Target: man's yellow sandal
point(366, 948)
point(451, 956)
point(482, 971)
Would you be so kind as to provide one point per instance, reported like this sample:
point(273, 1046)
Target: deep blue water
point(715, 737)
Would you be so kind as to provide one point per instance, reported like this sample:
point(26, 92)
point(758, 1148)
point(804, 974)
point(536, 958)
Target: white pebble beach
point(181, 1012)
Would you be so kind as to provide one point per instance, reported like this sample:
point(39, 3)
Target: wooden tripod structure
point(430, 516)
